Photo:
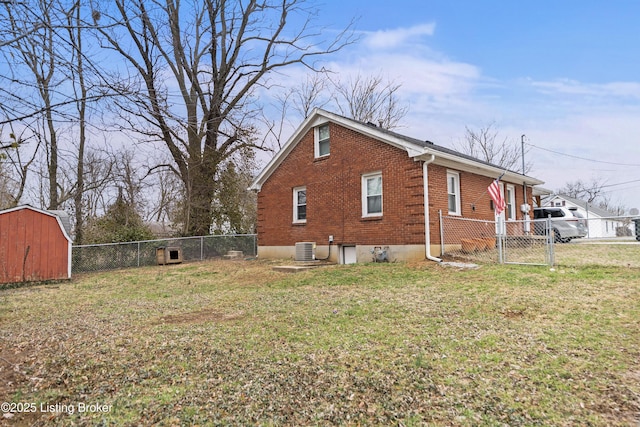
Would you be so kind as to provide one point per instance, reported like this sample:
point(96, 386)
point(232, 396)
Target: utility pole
point(525, 207)
point(524, 184)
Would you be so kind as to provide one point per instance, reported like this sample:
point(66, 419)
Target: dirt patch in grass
point(11, 375)
point(200, 316)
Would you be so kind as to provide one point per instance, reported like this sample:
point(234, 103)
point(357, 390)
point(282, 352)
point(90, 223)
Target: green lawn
point(235, 343)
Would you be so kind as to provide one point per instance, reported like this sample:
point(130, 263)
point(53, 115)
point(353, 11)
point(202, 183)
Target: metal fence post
point(201, 248)
point(138, 254)
point(501, 240)
point(441, 232)
point(255, 245)
point(550, 241)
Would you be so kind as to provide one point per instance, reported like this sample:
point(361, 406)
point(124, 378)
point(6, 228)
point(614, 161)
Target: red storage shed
point(34, 246)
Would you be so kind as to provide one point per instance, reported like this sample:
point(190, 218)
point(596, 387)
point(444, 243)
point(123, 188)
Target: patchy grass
point(235, 343)
point(585, 252)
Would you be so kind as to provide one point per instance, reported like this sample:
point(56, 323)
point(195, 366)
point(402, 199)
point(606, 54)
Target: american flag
point(496, 196)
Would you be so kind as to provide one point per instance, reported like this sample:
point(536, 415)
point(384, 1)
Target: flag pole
point(485, 190)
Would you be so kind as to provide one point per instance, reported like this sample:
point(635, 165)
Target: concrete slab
point(460, 265)
point(234, 255)
point(292, 268)
point(301, 266)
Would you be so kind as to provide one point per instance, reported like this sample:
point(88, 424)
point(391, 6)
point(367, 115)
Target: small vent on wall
point(305, 251)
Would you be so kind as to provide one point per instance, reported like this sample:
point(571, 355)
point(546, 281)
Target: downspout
point(427, 237)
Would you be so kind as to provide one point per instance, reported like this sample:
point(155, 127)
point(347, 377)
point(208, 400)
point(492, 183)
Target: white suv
point(564, 224)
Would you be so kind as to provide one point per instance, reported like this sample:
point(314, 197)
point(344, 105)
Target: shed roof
point(65, 231)
point(64, 218)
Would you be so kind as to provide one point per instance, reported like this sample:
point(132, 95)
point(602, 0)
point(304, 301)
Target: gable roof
point(581, 204)
point(415, 148)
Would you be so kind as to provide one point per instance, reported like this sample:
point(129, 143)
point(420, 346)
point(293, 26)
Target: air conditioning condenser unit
point(305, 251)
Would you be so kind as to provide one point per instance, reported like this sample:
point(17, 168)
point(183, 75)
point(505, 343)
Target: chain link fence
point(86, 258)
point(611, 241)
point(490, 241)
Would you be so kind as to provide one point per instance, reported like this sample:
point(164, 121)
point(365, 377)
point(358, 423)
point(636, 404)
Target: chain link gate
point(506, 242)
point(527, 242)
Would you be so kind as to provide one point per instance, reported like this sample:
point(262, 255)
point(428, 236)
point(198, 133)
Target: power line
point(620, 183)
point(584, 158)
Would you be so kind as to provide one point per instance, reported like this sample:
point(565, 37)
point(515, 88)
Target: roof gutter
point(427, 231)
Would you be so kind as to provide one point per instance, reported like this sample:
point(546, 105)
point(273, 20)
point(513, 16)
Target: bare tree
point(197, 65)
point(12, 35)
point(310, 94)
point(98, 172)
point(486, 144)
point(37, 52)
point(617, 209)
point(17, 170)
point(367, 99)
point(294, 105)
point(75, 30)
point(593, 191)
point(129, 179)
point(38, 84)
point(588, 191)
point(165, 206)
point(370, 99)
point(7, 188)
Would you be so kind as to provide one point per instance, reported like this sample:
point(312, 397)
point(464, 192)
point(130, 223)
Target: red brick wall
point(334, 205)
point(334, 196)
point(475, 202)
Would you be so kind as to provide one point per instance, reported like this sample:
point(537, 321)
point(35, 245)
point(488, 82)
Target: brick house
point(352, 187)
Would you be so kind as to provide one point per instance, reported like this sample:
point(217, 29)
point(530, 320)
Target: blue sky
point(566, 74)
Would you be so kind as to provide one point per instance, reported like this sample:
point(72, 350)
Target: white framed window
point(510, 201)
point(453, 193)
point(372, 194)
point(322, 140)
point(300, 205)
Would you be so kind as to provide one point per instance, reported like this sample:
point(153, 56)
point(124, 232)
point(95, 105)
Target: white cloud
point(389, 39)
point(591, 120)
point(573, 87)
point(416, 74)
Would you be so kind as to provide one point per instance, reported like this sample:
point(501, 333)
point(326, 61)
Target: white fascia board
point(374, 132)
point(479, 168)
point(275, 161)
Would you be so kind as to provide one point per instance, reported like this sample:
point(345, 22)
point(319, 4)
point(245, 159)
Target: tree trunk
point(82, 108)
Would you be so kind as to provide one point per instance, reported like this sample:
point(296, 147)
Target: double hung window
point(510, 201)
point(453, 193)
point(372, 194)
point(300, 205)
point(322, 141)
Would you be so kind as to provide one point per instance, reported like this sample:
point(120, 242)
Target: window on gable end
point(322, 139)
